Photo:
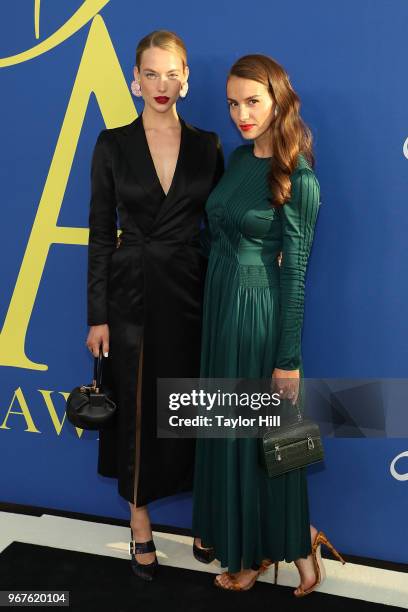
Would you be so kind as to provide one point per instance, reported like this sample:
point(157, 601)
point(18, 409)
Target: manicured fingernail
point(105, 354)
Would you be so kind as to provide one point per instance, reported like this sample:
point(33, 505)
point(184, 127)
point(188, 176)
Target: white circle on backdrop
point(405, 148)
point(394, 472)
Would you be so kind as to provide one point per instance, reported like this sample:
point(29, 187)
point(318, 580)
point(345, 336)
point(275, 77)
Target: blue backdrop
point(63, 74)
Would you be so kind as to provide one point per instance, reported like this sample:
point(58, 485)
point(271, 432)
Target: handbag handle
point(98, 368)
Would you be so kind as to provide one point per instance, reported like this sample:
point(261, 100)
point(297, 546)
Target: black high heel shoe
point(143, 571)
point(204, 555)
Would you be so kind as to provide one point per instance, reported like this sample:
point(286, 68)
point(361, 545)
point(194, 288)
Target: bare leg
point(142, 530)
point(306, 568)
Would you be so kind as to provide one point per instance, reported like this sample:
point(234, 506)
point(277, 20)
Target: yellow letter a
point(99, 72)
point(25, 412)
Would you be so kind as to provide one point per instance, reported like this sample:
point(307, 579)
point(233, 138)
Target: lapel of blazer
point(188, 163)
point(140, 161)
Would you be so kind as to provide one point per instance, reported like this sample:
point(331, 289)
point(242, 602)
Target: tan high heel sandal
point(319, 568)
point(234, 584)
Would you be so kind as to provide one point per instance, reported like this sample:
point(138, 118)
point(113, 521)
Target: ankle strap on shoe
point(139, 548)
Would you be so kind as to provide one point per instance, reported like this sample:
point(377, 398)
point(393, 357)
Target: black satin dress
point(148, 287)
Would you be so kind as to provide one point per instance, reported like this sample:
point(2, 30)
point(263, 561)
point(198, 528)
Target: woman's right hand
point(98, 335)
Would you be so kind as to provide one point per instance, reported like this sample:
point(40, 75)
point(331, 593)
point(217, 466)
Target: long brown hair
point(163, 39)
point(289, 134)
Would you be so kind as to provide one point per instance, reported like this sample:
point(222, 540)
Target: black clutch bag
point(91, 406)
point(291, 447)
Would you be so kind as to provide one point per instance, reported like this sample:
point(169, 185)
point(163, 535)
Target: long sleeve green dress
point(253, 313)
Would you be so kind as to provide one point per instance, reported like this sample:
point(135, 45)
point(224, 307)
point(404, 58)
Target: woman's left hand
point(286, 383)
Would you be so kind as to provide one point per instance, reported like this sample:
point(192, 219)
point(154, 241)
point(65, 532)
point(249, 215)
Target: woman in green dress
point(261, 218)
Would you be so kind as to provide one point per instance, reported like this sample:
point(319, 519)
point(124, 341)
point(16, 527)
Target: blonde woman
point(145, 289)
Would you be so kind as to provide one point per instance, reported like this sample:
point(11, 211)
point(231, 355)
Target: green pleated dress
point(253, 312)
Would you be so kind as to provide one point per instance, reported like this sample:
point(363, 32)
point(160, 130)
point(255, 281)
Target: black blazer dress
point(147, 285)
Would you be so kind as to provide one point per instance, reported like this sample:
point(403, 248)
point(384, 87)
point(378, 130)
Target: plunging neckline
point(165, 195)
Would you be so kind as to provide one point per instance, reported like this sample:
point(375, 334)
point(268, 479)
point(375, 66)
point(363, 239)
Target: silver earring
point(276, 110)
point(184, 90)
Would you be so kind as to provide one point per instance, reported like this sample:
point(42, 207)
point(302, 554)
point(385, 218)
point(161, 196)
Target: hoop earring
point(184, 90)
point(136, 89)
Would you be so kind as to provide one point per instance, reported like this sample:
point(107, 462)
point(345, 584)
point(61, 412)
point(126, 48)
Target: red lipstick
point(246, 126)
point(162, 99)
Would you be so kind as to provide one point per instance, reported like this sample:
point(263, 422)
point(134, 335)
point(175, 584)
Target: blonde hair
point(163, 39)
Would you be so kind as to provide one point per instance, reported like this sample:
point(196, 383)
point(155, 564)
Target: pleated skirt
point(245, 515)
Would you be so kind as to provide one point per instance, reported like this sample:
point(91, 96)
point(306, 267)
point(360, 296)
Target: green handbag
point(291, 447)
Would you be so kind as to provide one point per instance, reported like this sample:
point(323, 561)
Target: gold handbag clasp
point(92, 387)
